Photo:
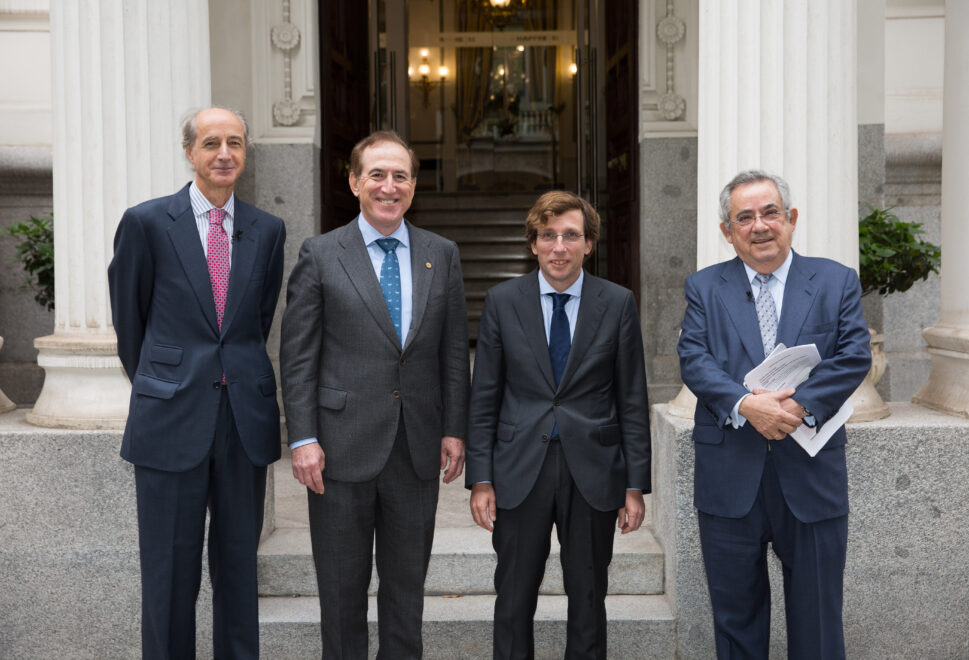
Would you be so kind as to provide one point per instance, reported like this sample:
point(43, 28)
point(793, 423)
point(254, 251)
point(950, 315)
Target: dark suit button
point(222, 342)
point(396, 394)
point(403, 360)
point(545, 437)
point(216, 384)
point(555, 402)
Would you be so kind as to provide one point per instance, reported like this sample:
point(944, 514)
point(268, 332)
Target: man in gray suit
point(559, 430)
point(374, 362)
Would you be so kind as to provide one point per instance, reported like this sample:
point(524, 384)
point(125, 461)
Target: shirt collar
point(780, 274)
point(201, 204)
point(370, 234)
point(575, 290)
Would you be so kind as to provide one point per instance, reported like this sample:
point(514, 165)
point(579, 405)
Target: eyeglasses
point(748, 218)
point(379, 177)
point(551, 237)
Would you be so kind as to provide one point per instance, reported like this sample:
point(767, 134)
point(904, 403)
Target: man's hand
point(765, 411)
point(631, 516)
point(308, 464)
point(483, 505)
point(452, 457)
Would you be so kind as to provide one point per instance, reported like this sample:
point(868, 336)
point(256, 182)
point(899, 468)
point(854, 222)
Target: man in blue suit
point(753, 484)
point(194, 283)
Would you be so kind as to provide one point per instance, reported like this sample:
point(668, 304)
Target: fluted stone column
point(948, 341)
point(778, 92)
point(124, 72)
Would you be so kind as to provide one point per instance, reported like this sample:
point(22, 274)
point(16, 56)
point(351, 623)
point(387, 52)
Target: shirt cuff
point(736, 419)
point(300, 443)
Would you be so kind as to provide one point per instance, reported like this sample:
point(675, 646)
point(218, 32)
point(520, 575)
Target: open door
point(344, 103)
point(622, 142)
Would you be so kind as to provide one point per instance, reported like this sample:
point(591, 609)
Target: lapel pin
point(427, 264)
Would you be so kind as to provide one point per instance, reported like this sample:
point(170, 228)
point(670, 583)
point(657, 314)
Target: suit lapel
point(422, 273)
point(184, 235)
point(243, 257)
point(799, 294)
point(359, 269)
point(528, 307)
point(734, 294)
point(592, 307)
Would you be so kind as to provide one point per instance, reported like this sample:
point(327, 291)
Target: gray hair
point(190, 125)
point(752, 176)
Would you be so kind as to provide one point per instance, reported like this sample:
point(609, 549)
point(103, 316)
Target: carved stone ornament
point(285, 36)
point(671, 105)
point(670, 30)
point(286, 112)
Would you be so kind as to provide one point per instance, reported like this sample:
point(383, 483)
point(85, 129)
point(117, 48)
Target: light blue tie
point(766, 314)
point(390, 281)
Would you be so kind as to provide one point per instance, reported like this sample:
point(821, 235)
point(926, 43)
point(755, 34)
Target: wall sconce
point(424, 82)
point(500, 12)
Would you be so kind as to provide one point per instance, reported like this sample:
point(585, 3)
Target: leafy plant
point(892, 256)
point(35, 251)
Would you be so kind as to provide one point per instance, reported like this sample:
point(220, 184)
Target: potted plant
point(892, 257)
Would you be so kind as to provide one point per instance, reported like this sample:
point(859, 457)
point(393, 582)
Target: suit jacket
point(169, 340)
point(600, 404)
point(345, 376)
point(721, 342)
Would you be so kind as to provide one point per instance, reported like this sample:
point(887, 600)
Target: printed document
point(787, 368)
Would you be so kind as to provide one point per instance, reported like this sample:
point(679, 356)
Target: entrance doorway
point(502, 100)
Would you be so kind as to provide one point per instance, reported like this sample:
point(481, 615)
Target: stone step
point(640, 627)
point(462, 562)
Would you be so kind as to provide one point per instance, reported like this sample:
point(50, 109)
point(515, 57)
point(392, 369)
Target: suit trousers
point(812, 558)
point(522, 540)
point(171, 530)
point(398, 508)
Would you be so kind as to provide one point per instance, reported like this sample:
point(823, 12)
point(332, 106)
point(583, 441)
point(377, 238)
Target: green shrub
point(892, 257)
point(35, 250)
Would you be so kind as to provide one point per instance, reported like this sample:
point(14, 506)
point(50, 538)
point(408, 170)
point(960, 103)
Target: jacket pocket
point(165, 354)
point(609, 435)
point(267, 385)
point(505, 432)
point(708, 434)
point(154, 387)
point(327, 397)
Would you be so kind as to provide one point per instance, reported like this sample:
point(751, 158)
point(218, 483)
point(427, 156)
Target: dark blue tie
point(390, 281)
point(559, 340)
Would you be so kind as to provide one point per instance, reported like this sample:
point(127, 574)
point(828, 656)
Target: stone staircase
point(489, 231)
point(459, 593)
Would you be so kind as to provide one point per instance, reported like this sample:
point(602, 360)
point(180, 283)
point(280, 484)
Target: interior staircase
point(459, 592)
point(489, 231)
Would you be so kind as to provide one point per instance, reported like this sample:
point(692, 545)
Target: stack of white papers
point(787, 368)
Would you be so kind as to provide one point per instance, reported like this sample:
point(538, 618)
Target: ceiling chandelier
point(500, 12)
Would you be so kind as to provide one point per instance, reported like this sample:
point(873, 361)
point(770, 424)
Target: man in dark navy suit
point(559, 428)
point(753, 484)
point(194, 283)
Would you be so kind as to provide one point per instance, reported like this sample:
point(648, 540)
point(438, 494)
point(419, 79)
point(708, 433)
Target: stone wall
point(908, 556)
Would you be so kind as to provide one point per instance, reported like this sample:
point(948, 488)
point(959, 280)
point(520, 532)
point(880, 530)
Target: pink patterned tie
point(218, 259)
